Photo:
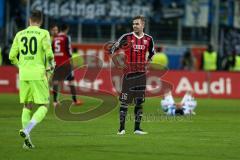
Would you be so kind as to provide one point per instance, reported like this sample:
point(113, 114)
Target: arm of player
point(69, 49)
point(14, 51)
point(46, 42)
point(114, 48)
point(151, 50)
point(117, 45)
point(120, 43)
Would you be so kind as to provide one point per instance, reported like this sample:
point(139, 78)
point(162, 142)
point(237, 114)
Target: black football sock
point(138, 111)
point(55, 93)
point(73, 92)
point(122, 115)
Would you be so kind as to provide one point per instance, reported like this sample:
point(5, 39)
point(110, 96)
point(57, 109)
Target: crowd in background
point(227, 57)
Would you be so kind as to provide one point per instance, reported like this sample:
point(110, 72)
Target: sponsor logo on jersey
point(139, 47)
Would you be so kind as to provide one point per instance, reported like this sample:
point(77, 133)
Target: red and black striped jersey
point(62, 50)
point(135, 49)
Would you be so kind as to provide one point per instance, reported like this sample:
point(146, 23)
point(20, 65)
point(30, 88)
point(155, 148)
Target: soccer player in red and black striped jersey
point(61, 45)
point(139, 49)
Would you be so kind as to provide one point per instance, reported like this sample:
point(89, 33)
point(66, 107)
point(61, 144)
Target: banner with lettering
point(108, 11)
point(204, 84)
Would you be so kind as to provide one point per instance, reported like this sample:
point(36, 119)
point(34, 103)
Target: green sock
point(40, 114)
point(26, 117)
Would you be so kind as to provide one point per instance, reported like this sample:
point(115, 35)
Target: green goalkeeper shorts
point(34, 91)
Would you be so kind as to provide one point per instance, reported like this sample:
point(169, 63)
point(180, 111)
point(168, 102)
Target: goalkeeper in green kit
point(31, 51)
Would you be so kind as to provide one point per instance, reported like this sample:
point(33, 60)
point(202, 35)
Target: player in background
point(62, 49)
point(53, 31)
point(33, 46)
point(185, 107)
point(134, 78)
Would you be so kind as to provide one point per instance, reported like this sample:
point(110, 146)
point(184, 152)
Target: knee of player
point(28, 106)
point(170, 110)
point(43, 105)
point(139, 101)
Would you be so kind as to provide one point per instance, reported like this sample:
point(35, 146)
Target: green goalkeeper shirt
point(32, 52)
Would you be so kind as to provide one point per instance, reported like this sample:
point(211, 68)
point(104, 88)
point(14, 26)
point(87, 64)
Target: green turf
point(213, 134)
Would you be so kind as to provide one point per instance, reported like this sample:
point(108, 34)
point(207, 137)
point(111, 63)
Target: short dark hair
point(53, 25)
point(64, 27)
point(142, 18)
point(36, 16)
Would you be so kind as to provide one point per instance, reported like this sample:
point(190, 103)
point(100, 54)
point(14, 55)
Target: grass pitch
point(213, 134)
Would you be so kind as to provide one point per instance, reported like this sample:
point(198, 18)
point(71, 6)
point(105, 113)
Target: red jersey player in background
point(62, 50)
point(134, 79)
point(53, 31)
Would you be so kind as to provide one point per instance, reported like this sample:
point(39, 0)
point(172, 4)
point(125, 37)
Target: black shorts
point(63, 72)
point(133, 88)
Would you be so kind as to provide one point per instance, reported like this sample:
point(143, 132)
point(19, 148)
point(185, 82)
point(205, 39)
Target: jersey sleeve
point(47, 47)
point(118, 44)
point(151, 49)
point(14, 51)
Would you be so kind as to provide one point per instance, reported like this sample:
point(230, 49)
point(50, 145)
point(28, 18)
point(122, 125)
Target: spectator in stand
point(188, 62)
point(234, 61)
point(209, 59)
point(5, 53)
point(160, 58)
